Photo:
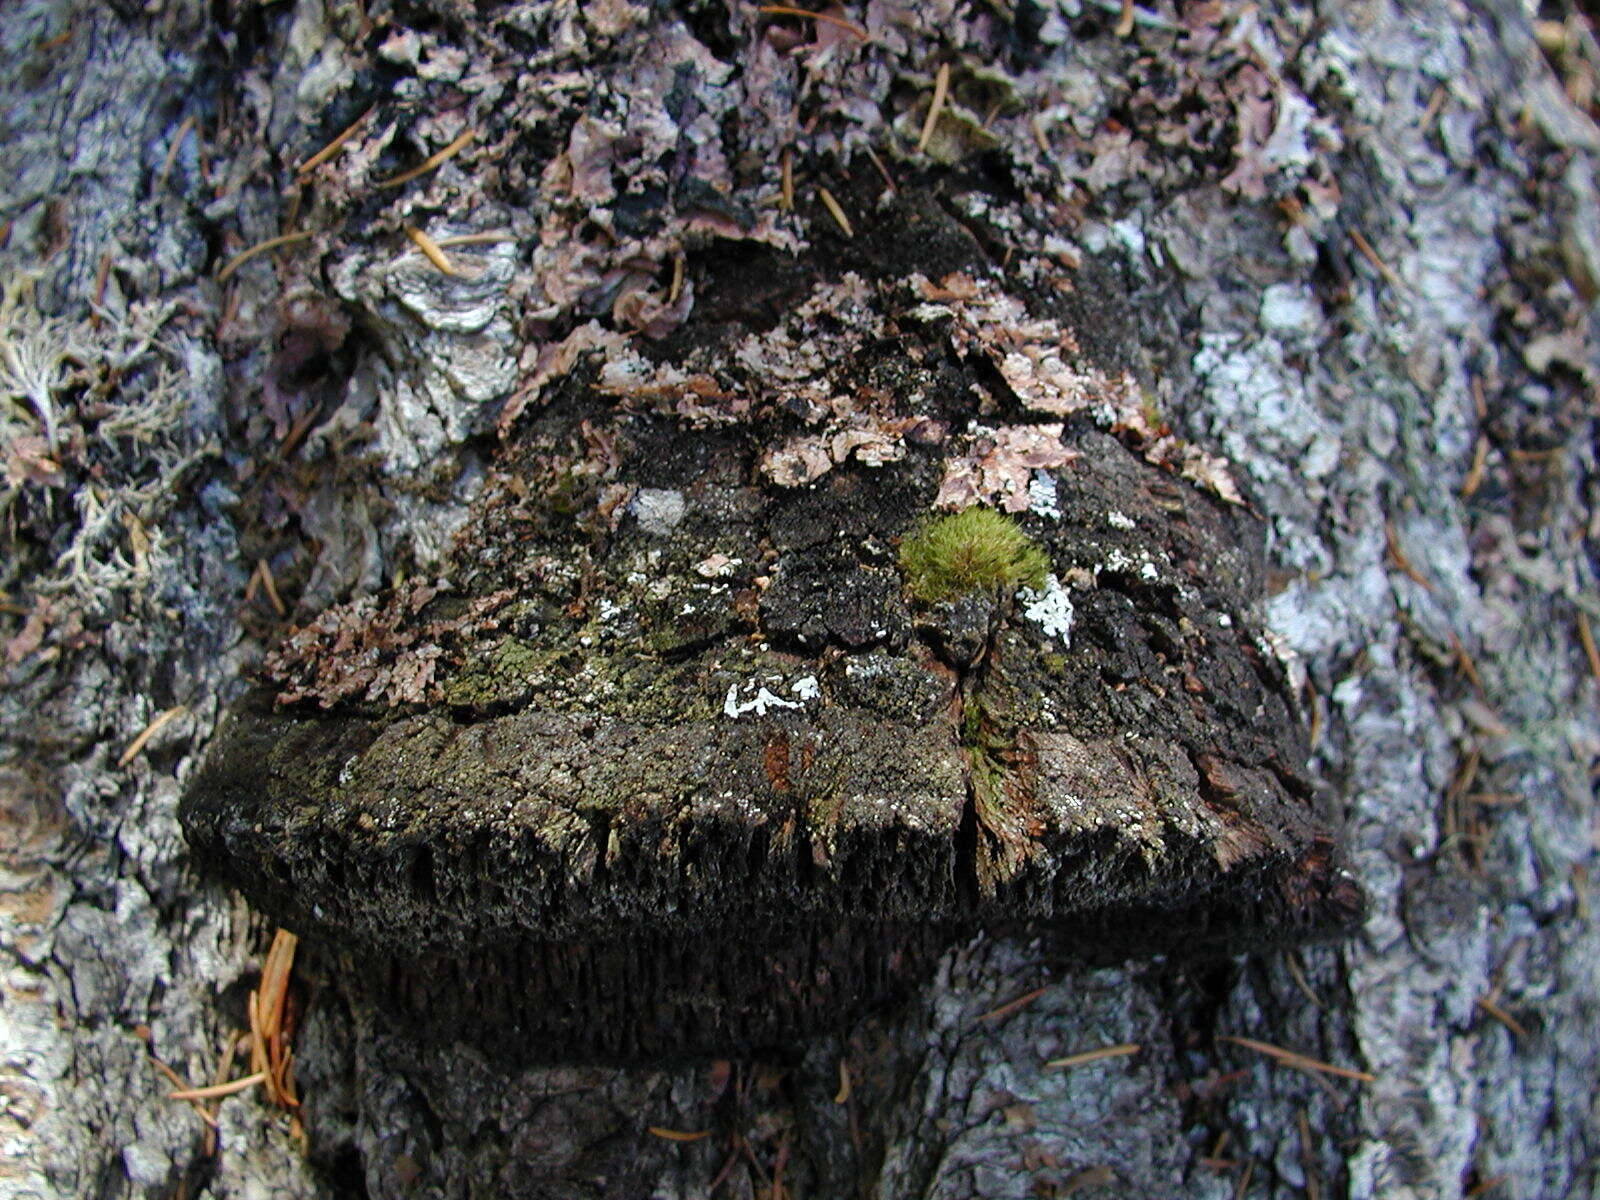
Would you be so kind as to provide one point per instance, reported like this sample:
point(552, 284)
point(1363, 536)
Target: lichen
point(974, 549)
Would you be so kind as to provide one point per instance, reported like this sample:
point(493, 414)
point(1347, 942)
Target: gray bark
point(145, 479)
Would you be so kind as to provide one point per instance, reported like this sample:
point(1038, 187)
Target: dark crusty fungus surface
point(672, 763)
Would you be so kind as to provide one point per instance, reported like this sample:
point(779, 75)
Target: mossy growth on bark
point(976, 549)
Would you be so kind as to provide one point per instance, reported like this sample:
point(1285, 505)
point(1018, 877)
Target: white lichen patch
point(716, 566)
point(658, 510)
point(1118, 520)
point(1119, 562)
point(1050, 609)
point(761, 699)
point(1042, 496)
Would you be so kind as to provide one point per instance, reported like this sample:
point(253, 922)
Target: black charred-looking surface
point(673, 766)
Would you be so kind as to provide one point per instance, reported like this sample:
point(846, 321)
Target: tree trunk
point(1348, 255)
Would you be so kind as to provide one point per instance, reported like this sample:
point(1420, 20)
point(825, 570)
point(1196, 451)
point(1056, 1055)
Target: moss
point(975, 549)
point(988, 778)
point(503, 674)
point(991, 752)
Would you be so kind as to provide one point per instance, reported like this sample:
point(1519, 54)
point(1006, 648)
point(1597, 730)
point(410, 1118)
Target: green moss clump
point(974, 549)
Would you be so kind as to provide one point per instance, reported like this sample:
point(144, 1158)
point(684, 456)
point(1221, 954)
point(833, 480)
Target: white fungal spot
point(1050, 610)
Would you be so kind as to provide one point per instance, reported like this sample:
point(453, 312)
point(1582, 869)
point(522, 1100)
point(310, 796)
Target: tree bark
point(1351, 249)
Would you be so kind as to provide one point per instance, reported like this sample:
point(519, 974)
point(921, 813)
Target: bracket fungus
point(692, 762)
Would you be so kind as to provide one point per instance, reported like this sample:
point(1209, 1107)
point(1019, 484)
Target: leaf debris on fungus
point(977, 548)
point(998, 467)
point(367, 649)
point(1034, 357)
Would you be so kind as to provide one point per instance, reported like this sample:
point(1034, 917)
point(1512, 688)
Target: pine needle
point(1586, 636)
point(784, 10)
point(1474, 476)
point(1089, 1056)
point(184, 129)
point(220, 1089)
point(432, 161)
point(1378, 265)
point(272, 243)
point(476, 239)
point(941, 89)
point(678, 1135)
point(1291, 1058)
point(835, 211)
point(333, 147)
point(149, 731)
point(1398, 557)
point(1125, 20)
point(1011, 1006)
point(1489, 1007)
point(431, 251)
